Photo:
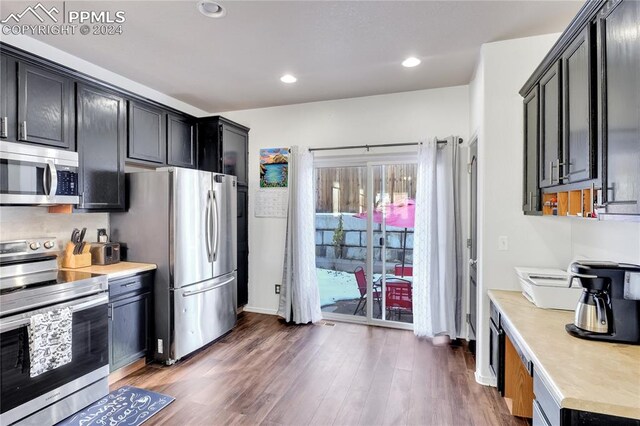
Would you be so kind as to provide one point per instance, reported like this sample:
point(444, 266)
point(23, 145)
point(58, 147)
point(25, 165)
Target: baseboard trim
point(257, 310)
point(486, 380)
point(123, 372)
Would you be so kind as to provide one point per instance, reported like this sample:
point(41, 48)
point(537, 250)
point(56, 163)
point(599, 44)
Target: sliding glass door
point(364, 241)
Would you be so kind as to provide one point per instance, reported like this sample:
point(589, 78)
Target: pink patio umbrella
point(401, 215)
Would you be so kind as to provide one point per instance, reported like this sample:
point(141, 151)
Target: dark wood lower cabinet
point(243, 246)
point(130, 316)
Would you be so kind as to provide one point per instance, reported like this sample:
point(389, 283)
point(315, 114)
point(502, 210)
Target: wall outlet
point(503, 243)
point(277, 288)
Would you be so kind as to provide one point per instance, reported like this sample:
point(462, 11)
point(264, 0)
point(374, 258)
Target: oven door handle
point(11, 323)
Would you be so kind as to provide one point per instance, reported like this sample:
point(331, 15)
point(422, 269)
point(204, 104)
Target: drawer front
point(539, 418)
point(122, 287)
point(548, 405)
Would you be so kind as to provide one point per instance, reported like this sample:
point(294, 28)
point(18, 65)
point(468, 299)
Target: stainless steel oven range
point(31, 284)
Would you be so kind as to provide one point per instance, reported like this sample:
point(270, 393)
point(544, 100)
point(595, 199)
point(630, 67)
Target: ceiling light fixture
point(211, 9)
point(411, 62)
point(288, 78)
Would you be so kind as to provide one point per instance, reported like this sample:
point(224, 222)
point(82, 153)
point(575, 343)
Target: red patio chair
point(399, 297)
point(361, 279)
point(406, 271)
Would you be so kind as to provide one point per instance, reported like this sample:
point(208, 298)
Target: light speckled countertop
point(118, 270)
point(585, 375)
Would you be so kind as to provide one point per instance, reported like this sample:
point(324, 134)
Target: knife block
point(74, 261)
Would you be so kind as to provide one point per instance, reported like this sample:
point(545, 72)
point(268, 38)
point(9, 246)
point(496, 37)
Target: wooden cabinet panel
point(181, 150)
point(8, 98)
point(147, 142)
point(578, 111)
point(550, 130)
point(518, 383)
point(531, 199)
point(243, 245)
point(45, 107)
point(129, 330)
point(619, 82)
point(235, 143)
point(101, 138)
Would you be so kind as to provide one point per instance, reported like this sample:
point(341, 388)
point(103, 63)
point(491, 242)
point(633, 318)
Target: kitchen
point(84, 103)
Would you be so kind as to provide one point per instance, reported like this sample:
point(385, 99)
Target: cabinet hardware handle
point(4, 128)
point(551, 167)
point(23, 131)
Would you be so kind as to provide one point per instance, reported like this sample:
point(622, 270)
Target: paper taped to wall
point(273, 202)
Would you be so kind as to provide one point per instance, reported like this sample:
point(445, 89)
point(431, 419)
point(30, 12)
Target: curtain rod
point(382, 145)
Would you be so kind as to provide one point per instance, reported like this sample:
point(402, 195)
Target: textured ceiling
point(337, 49)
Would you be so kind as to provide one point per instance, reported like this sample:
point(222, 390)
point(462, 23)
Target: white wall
point(401, 117)
point(35, 222)
point(497, 119)
point(63, 58)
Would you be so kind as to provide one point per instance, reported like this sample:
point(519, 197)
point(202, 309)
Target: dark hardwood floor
point(266, 372)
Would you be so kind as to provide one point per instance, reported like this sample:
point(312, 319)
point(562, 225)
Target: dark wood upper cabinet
point(101, 121)
point(619, 112)
point(45, 107)
point(531, 201)
point(550, 130)
point(147, 142)
point(579, 142)
point(181, 149)
point(222, 147)
point(8, 98)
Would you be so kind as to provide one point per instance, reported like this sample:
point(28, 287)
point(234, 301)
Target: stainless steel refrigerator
point(184, 221)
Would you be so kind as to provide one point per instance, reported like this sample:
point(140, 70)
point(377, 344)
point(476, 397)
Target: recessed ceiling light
point(411, 62)
point(211, 9)
point(288, 78)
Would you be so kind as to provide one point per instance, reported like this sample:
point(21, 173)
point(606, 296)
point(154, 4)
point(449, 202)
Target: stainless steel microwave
point(37, 175)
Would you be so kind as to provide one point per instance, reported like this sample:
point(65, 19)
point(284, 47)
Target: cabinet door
point(579, 133)
point(234, 151)
point(243, 246)
point(531, 196)
point(101, 138)
point(550, 130)
point(619, 82)
point(8, 98)
point(209, 150)
point(128, 330)
point(147, 139)
point(180, 142)
point(45, 107)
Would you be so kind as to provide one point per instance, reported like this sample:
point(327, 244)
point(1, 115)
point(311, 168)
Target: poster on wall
point(274, 167)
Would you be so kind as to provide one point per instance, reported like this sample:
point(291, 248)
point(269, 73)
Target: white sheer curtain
point(299, 296)
point(437, 280)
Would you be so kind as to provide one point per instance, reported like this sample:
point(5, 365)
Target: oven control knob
point(49, 244)
point(34, 245)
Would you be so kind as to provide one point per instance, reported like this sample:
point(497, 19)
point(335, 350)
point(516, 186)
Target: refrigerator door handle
point(204, 290)
point(217, 242)
point(208, 227)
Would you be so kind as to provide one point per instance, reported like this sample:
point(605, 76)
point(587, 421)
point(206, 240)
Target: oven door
point(22, 395)
point(30, 179)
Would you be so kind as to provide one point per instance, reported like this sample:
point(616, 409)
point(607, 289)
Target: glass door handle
point(381, 241)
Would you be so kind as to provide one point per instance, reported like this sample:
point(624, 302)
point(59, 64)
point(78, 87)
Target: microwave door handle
point(50, 179)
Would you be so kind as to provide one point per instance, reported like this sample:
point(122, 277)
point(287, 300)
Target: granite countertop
point(584, 375)
point(117, 270)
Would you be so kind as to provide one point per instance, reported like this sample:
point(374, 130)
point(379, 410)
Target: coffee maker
point(609, 307)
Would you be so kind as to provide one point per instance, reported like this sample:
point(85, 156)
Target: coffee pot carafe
point(592, 312)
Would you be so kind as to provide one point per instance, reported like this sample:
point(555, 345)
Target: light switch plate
point(503, 243)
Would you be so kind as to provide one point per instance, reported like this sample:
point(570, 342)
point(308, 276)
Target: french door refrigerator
point(184, 221)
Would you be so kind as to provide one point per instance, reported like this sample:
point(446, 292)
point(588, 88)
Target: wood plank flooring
point(269, 373)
